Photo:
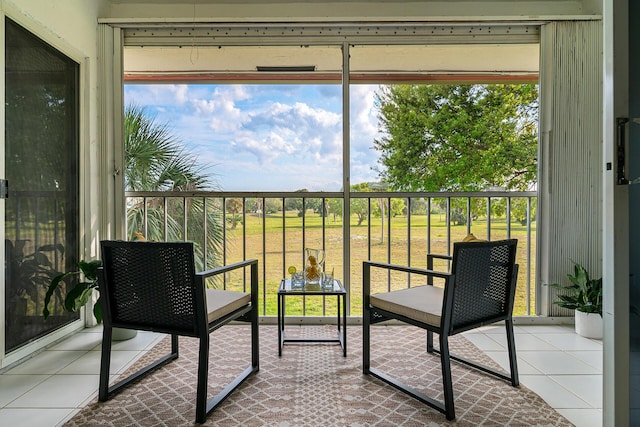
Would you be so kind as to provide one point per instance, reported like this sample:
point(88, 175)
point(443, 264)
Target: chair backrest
point(485, 281)
point(150, 286)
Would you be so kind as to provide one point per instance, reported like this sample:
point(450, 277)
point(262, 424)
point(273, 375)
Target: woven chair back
point(150, 286)
point(484, 282)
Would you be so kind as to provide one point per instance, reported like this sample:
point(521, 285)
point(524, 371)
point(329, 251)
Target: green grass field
point(284, 246)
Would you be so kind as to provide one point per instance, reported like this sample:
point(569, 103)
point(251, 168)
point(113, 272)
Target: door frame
point(616, 241)
point(85, 175)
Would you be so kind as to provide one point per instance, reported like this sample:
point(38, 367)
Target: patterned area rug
point(312, 384)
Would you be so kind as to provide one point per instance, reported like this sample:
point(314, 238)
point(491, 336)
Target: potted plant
point(584, 295)
point(80, 294)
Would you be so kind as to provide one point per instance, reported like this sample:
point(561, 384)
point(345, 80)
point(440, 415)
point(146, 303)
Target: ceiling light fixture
point(286, 69)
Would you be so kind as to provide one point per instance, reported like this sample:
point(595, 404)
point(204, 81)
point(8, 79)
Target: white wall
point(72, 22)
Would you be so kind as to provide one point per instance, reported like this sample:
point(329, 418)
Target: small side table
point(338, 290)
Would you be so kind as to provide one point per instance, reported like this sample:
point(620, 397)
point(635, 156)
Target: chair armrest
point(253, 263)
point(406, 269)
point(366, 274)
point(225, 268)
point(440, 256)
point(430, 258)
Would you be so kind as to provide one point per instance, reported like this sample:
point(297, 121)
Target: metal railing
point(275, 227)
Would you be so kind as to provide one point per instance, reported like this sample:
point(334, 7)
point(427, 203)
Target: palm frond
point(156, 160)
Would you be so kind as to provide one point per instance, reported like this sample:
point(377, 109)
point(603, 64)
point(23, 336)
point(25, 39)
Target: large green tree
point(296, 204)
point(458, 137)
point(156, 160)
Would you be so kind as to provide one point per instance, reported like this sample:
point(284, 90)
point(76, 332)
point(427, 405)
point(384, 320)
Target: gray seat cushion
point(422, 303)
point(221, 303)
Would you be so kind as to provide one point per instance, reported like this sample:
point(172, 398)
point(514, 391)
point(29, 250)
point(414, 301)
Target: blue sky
point(267, 137)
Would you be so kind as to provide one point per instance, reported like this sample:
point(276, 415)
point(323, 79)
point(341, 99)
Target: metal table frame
point(284, 290)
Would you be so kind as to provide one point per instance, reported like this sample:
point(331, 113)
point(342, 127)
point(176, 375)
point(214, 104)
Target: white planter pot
point(123, 334)
point(589, 325)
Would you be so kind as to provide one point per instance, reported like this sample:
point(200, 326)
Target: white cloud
point(181, 93)
point(364, 121)
point(364, 129)
point(158, 95)
point(258, 137)
point(297, 130)
point(220, 107)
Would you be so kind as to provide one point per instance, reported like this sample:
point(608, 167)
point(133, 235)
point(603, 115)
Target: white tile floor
point(561, 367)
point(51, 387)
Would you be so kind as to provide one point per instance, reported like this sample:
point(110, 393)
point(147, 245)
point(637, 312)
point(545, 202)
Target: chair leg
point(447, 408)
point(447, 383)
point(429, 342)
point(206, 406)
point(366, 340)
point(511, 345)
point(203, 375)
point(105, 362)
point(104, 390)
point(174, 345)
point(255, 353)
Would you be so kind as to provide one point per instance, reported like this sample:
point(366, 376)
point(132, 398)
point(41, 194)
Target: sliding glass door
point(41, 168)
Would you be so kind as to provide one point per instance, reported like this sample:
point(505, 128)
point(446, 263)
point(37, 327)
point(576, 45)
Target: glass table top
point(333, 288)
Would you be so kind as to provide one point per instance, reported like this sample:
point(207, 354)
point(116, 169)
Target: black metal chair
point(479, 290)
point(154, 287)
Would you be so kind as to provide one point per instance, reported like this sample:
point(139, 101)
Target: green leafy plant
point(584, 294)
point(80, 293)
